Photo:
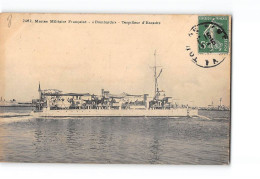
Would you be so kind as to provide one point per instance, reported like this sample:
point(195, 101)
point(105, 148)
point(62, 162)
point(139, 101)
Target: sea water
point(127, 140)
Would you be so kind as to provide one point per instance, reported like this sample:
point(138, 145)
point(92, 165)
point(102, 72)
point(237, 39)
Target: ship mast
point(155, 74)
point(156, 90)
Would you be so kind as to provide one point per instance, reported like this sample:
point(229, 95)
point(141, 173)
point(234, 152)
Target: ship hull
point(180, 112)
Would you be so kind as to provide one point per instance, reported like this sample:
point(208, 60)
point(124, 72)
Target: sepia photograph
point(115, 88)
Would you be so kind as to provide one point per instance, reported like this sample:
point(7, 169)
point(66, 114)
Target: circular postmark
point(209, 43)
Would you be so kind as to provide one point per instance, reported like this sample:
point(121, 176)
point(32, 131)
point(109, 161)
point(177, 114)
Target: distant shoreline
point(24, 105)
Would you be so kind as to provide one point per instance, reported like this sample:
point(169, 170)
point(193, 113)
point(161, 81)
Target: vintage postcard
point(115, 88)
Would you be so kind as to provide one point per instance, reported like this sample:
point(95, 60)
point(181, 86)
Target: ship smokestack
point(39, 88)
point(102, 92)
point(145, 100)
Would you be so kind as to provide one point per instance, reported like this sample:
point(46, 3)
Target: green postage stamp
point(213, 34)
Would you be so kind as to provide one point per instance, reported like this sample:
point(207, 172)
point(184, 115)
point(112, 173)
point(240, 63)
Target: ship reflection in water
point(116, 139)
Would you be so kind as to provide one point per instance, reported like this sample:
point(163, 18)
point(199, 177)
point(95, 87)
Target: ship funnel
point(102, 92)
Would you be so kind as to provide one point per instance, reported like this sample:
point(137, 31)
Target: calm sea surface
point(114, 139)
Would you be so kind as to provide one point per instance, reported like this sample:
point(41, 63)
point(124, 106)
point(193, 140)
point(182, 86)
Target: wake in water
point(12, 114)
point(14, 117)
point(204, 117)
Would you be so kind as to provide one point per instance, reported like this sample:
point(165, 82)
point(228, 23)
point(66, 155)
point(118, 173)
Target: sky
point(117, 57)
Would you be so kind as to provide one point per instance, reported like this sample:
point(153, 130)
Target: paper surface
point(84, 53)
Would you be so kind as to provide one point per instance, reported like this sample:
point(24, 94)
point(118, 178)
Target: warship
point(55, 103)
